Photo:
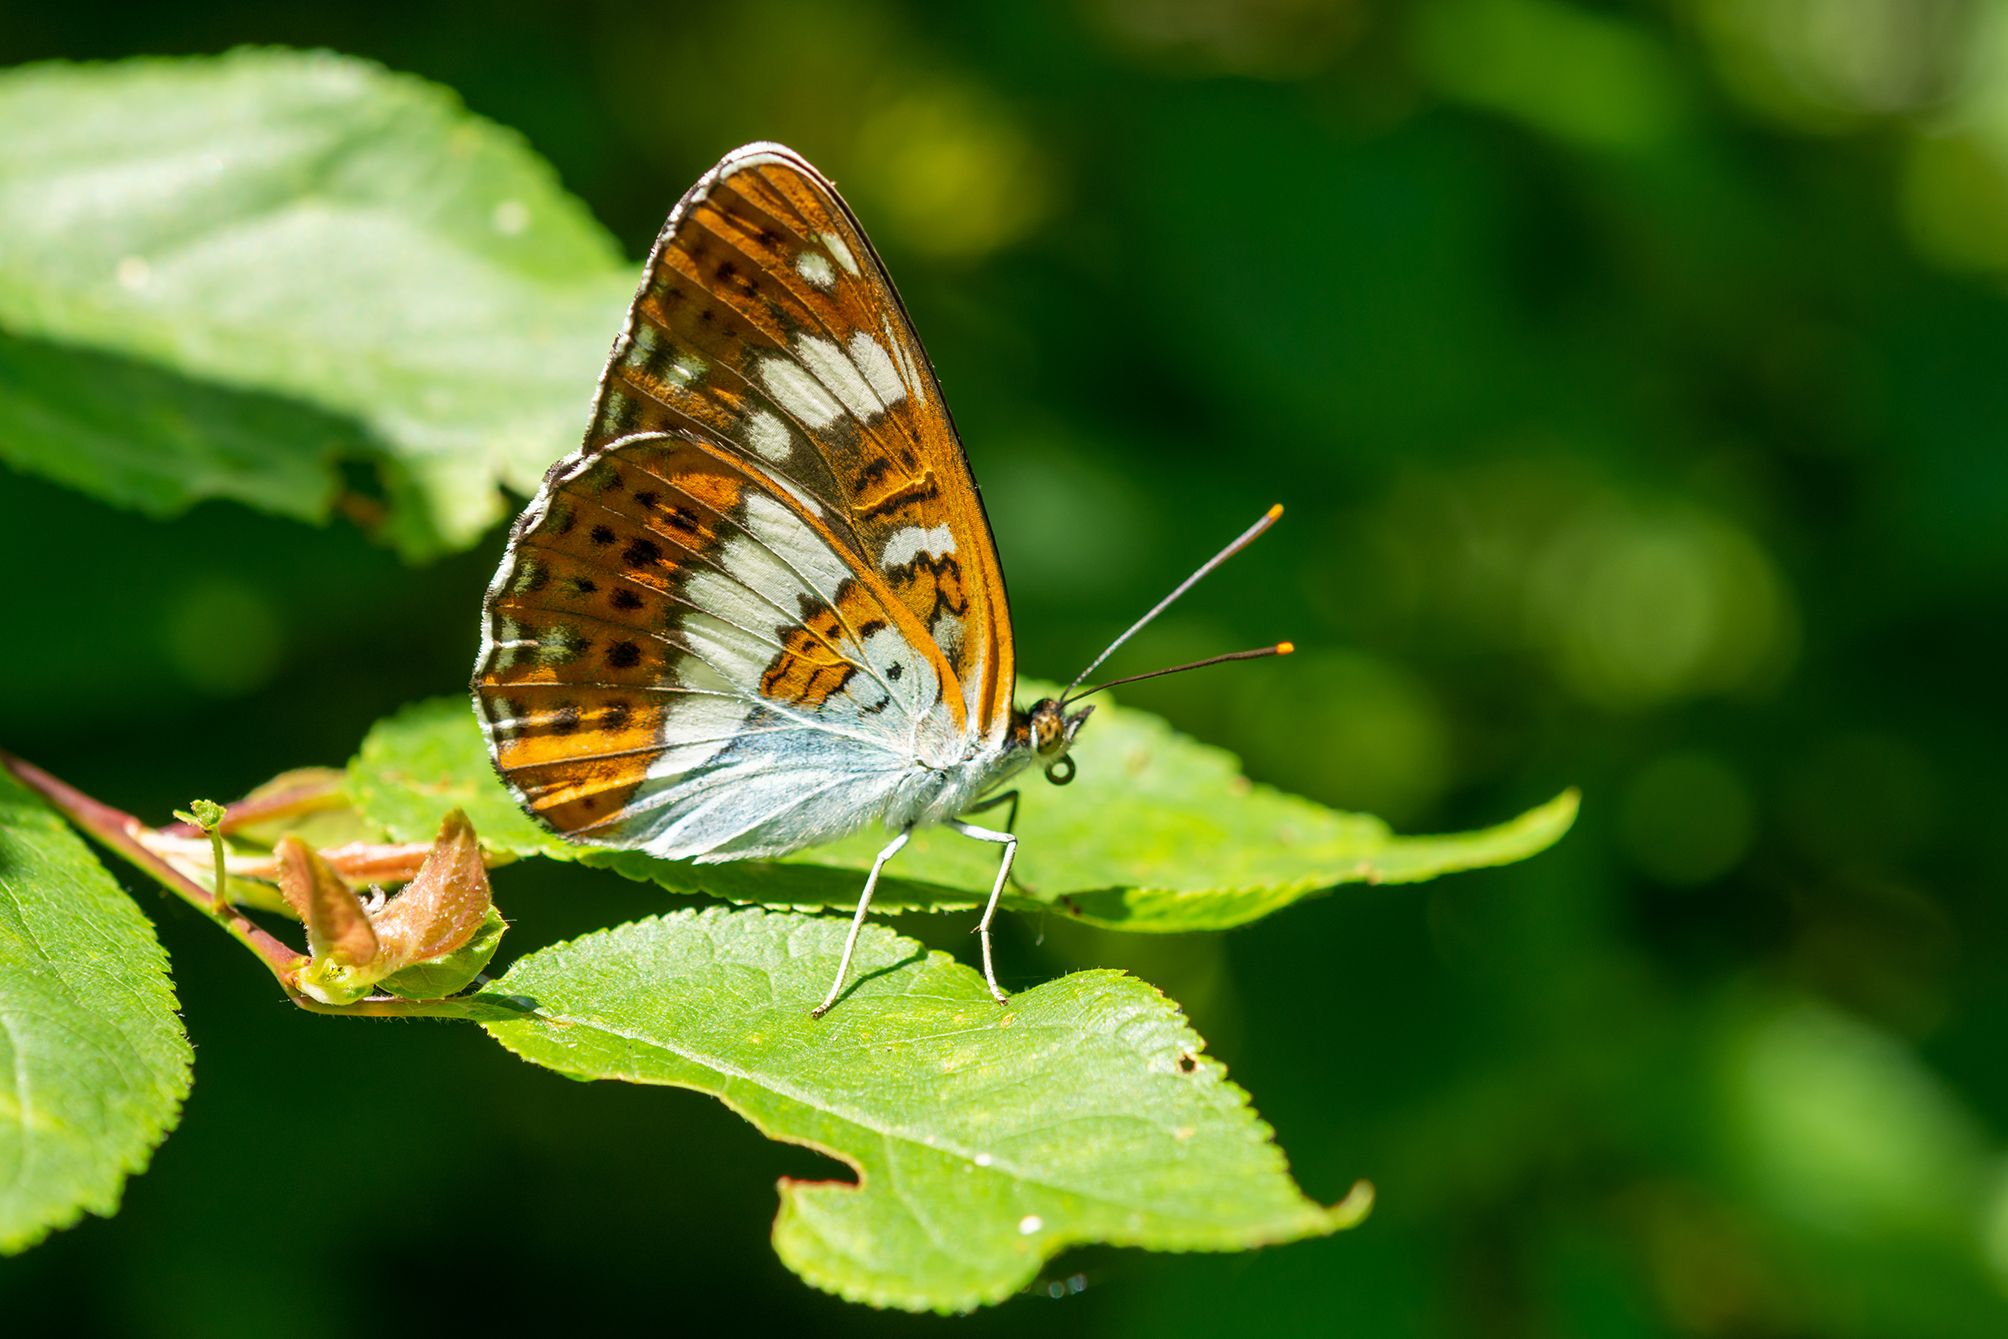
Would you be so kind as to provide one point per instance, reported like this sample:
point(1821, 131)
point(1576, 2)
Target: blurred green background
point(1635, 375)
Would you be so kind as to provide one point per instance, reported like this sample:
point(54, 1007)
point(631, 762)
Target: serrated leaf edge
point(139, 1157)
point(1317, 1219)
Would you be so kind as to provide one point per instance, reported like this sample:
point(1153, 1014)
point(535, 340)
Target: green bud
point(205, 814)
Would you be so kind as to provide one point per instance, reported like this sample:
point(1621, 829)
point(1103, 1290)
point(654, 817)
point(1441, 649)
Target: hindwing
point(681, 655)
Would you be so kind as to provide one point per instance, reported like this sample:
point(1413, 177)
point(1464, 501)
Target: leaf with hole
point(985, 1139)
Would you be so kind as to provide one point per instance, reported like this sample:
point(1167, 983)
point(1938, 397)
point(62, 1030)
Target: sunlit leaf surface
point(96, 1059)
point(223, 275)
point(1158, 833)
point(984, 1139)
point(443, 976)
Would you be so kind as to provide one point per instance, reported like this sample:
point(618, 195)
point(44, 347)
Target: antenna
point(1279, 649)
point(1246, 538)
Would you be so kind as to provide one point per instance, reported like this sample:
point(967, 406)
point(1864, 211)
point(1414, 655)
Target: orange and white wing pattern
point(766, 320)
point(680, 657)
point(761, 607)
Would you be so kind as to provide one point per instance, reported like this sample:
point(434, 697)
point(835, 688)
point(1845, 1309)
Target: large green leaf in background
point(221, 275)
point(985, 1139)
point(1157, 833)
point(96, 1060)
point(141, 436)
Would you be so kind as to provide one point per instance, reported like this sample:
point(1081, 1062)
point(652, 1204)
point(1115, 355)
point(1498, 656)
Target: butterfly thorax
point(933, 793)
point(936, 794)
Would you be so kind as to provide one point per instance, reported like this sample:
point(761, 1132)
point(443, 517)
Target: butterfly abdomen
point(934, 795)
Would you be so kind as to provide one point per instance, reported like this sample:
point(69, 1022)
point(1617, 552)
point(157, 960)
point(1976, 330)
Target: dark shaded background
point(1634, 374)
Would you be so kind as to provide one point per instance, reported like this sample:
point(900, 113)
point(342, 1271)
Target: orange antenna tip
point(1285, 648)
point(1241, 542)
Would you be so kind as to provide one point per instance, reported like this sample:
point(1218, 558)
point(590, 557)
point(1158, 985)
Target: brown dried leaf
point(444, 904)
point(338, 928)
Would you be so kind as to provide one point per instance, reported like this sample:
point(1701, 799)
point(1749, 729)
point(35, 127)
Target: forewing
point(679, 655)
point(766, 321)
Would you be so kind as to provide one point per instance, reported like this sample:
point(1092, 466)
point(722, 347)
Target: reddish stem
point(356, 862)
point(116, 829)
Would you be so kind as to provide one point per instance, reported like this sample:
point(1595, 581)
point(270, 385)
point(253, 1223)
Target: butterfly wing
point(680, 655)
point(766, 321)
point(761, 606)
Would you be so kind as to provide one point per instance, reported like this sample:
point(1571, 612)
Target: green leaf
point(442, 977)
point(1158, 833)
point(425, 761)
point(97, 1061)
point(985, 1139)
point(146, 438)
point(305, 802)
point(224, 274)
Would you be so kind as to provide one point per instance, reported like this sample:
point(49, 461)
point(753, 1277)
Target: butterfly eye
point(1061, 771)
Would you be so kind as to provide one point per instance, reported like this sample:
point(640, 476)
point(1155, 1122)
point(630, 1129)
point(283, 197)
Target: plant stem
point(117, 831)
point(396, 1006)
point(121, 832)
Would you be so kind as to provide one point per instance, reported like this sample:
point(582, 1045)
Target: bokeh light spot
point(1381, 742)
point(1837, 1126)
point(950, 172)
point(222, 636)
point(1583, 77)
point(1637, 610)
point(1825, 65)
point(1956, 198)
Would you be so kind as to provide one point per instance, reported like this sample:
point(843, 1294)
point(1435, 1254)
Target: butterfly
point(760, 608)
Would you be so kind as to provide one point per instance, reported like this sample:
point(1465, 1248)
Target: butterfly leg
point(1010, 845)
point(1010, 799)
point(858, 923)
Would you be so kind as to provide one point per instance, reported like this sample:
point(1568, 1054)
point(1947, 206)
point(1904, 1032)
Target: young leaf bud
point(444, 904)
point(338, 929)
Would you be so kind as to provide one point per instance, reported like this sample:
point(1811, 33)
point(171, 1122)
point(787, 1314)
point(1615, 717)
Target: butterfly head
point(1049, 733)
